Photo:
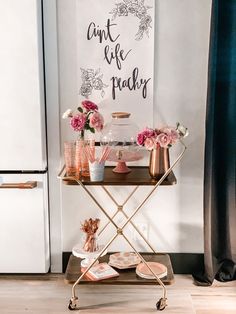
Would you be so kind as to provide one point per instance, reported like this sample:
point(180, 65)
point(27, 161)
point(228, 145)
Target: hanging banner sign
point(115, 56)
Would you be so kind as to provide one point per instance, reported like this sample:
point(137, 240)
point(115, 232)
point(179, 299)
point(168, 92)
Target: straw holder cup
point(96, 170)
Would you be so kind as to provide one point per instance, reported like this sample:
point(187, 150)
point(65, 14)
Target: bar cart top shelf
point(139, 175)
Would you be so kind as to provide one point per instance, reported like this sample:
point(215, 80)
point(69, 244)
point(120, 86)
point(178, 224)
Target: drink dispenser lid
point(120, 115)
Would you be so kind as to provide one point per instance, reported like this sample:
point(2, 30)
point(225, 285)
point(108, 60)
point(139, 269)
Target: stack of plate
point(159, 269)
point(124, 260)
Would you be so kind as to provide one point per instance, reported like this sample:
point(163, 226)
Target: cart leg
point(162, 303)
point(121, 209)
point(140, 233)
point(73, 304)
point(112, 218)
point(74, 301)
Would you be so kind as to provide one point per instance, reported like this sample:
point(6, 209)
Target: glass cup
point(69, 155)
point(81, 157)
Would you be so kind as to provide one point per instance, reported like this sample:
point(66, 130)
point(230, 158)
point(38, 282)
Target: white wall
point(174, 214)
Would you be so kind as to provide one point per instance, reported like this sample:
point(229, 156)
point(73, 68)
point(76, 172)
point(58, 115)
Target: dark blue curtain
point(220, 148)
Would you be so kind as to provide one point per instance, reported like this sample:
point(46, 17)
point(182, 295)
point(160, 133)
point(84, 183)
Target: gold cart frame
point(162, 303)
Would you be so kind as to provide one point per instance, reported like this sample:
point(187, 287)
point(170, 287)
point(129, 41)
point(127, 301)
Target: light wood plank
point(215, 312)
point(49, 294)
point(215, 302)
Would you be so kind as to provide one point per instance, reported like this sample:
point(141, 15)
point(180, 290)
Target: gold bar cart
point(139, 176)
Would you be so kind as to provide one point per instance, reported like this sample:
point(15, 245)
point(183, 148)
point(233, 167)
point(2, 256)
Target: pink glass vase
point(81, 160)
point(69, 156)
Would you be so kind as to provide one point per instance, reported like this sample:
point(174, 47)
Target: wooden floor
point(49, 294)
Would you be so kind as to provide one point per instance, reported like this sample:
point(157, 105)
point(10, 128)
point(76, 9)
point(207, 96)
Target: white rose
point(67, 114)
point(182, 130)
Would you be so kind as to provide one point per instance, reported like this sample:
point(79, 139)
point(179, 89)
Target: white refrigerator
point(24, 222)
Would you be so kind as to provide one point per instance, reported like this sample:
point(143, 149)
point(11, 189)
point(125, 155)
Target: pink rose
point(96, 121)
point(174, 136)
point(148, 133)
point(89, 105)
point(172, 133)
point(140, 139)
point(149, 143)
point(143, 135)
point(78, 122)
point(163, 139)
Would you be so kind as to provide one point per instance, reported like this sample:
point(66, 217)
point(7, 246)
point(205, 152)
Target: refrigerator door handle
point(20, 185)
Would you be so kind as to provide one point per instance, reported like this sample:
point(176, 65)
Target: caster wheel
point(73, 304)
point(161, 304)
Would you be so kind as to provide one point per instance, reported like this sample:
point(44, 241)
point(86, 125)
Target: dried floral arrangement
point(90, 227)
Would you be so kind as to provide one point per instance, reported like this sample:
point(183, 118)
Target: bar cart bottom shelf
point(127, 276)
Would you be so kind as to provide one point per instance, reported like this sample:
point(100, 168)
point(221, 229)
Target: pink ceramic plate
point(157, 268)
point(124, 259)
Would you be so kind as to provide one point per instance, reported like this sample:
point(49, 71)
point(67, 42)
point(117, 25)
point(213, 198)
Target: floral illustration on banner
point(138, 9)
point(91, 80)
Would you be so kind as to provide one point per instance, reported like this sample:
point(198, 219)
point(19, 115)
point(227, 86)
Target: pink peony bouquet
point(163, 137)
point(85, 118)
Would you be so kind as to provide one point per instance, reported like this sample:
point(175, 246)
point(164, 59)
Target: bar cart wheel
point(73, 304)
point(161, 304)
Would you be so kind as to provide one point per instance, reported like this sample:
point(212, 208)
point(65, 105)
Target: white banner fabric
point(115, 56)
